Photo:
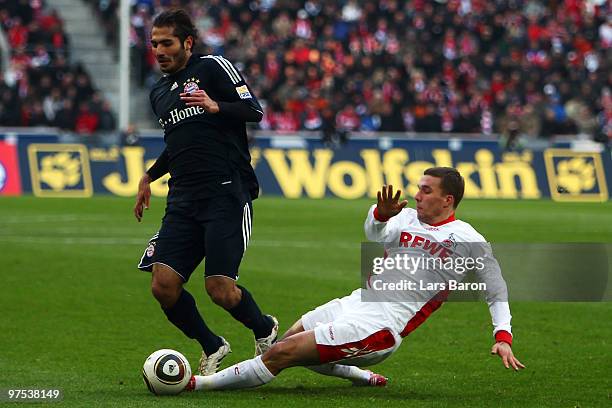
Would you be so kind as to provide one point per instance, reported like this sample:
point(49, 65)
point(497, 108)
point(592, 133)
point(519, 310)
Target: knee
point(280, 356)
point(166, 293)
point(225, 295)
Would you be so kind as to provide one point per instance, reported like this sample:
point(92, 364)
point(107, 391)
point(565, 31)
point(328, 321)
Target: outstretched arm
point(497, 299)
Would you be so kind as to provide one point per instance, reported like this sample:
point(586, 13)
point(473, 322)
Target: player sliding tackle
point(344, 334)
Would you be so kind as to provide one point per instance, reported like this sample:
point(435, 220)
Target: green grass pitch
point(77, 315)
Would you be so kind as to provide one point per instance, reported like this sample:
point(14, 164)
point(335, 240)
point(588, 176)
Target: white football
point(166, 372)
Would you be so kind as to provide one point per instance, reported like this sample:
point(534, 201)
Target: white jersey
point(405, 236)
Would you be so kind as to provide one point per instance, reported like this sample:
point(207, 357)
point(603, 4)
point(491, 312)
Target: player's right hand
point(504, 351)
point(143, 196)
point(389, 205)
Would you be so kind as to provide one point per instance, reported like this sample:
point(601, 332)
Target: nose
point(417, 196)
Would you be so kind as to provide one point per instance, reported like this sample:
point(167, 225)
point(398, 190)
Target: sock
point(247, 374)
point(247, 312)
point(352, 373)
point(184, 315)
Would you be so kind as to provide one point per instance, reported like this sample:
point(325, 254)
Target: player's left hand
point(200, 98)
point(504, 350)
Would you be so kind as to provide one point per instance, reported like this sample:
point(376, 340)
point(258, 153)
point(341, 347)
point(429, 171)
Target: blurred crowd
point(41, 87)
point(514, 67)
point(531, 67)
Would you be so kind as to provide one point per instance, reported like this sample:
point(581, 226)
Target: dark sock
point(184, 315)
point(247, 312)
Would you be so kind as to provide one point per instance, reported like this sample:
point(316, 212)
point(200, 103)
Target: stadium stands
point(510, 67)
point(42, 88)
point(513, 67)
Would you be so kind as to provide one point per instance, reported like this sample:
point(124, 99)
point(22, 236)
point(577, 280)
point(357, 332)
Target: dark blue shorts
point(217, 228)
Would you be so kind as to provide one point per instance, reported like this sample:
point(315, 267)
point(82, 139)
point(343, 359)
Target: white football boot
point(210, 364)
point(264, 344)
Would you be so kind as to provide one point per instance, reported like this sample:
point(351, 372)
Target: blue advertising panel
point(296, 167)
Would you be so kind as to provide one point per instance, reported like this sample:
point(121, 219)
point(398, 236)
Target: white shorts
point(349, 331)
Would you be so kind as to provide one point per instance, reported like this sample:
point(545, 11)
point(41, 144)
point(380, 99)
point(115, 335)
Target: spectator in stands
point(107, 118)
point(86, 120)
point(52, 104)
point(66, 117)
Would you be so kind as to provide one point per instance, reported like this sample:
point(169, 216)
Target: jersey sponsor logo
point(177, 115)
point(191, 85)
point(243, 92)
point(434, 248)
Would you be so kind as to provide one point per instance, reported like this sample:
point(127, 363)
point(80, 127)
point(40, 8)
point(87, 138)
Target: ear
point(450, 200)
point(188, 43)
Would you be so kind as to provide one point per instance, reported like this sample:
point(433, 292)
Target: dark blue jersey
point(206, 154)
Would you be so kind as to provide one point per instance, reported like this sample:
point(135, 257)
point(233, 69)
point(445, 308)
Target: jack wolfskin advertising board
point(295, 167)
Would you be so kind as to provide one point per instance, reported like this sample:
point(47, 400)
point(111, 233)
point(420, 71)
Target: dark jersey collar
point(192, 60)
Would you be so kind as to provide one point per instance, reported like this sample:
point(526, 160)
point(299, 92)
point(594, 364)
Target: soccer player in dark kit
point(202, 103)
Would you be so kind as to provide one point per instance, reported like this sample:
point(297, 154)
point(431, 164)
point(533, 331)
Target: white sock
point(352, 373)
point(247, 374)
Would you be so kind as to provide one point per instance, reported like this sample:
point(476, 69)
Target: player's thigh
point(227, 234)
point(331, 310)
point(179, 244)
point(352, 340)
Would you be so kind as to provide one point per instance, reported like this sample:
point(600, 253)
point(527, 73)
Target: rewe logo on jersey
point(177, 115)
point(434, 248)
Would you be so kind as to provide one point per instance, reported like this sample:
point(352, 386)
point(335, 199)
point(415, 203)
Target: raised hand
point(389, 204)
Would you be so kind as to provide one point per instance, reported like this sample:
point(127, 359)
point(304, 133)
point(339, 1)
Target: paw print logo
point(60, 170)
point(576, 175)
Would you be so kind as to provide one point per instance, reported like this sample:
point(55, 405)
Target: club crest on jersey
point(450, 241)
point(150, 250)
point(191, 85)
point(243, 92)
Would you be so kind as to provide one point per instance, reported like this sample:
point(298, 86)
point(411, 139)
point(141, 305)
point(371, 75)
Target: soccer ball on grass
point(166, 372)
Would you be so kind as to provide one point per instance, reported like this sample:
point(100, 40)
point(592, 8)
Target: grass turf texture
point(77, 315)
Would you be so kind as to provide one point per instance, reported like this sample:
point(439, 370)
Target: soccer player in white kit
point(344, 334)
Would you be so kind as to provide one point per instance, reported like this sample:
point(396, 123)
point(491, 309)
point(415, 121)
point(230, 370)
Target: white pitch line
point(34, 219)
point(22, 239)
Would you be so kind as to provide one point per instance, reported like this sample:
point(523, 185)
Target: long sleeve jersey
point(406, 236)
point(206, 154)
